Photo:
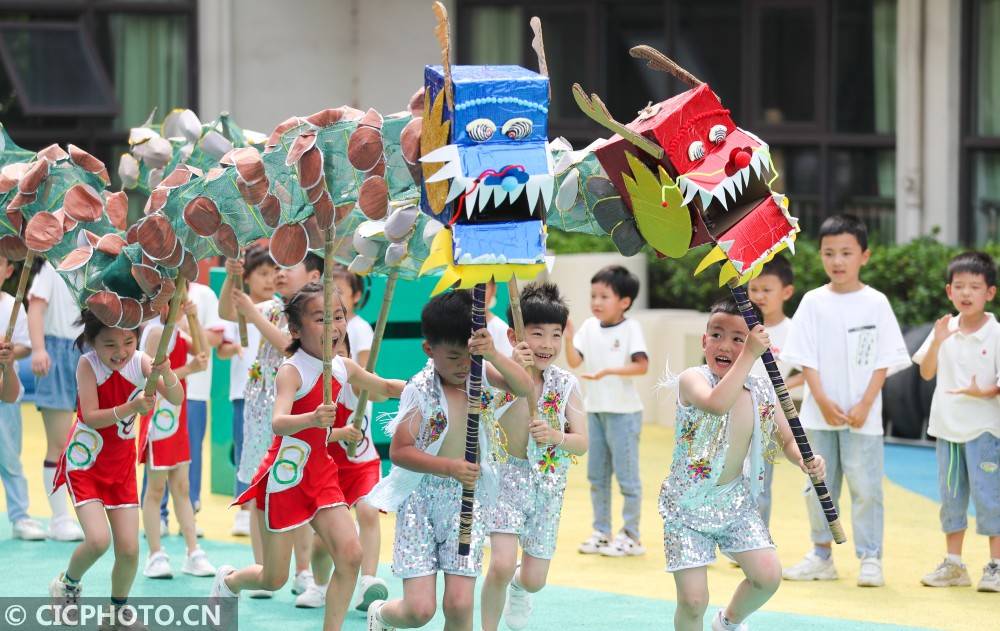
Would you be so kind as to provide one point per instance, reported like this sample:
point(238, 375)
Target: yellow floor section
point(914, 546)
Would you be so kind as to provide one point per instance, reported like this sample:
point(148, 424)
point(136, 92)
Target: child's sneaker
point(197, 564)
point(948, 574)
point(594, 544)
point(158, 566)
point(219, 587)
point(718, 624)
point(259, 594)
point(991, 578)
point(28, 529)
point(313, 598)
point(871, 573)
point(241, 524)
point(518, 608)
point(64, 529)
point(63, 592)
point(370, 589)
point(374, 624)
point(622, 546)
point(302, 582)
point(811, 568)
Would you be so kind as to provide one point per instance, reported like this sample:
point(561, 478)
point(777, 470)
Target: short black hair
point(256, 256)
point(728, 306)
point(354, 281)
point(313, 262)
point(447, 318)
point(624, 283)
point(780, 267)
point(295, 310)
point(541, 303)
point(92, 326)
point(974, 262)
point(844, 224)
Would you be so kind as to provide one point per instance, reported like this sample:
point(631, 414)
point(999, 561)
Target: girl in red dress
point(164, 448)
point(297, 482)
point(98, 463)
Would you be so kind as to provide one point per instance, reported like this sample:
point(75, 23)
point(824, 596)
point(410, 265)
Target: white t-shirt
point(959, 418)
point(239, 365)
point(360, 335)
point(498, 329)
point(607, 347)
point(846, 337)
point(779, 335)
point(62, 313)
point(200, 383)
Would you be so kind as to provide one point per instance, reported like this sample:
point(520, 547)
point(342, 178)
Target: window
point(980, 217)
point(814, 78)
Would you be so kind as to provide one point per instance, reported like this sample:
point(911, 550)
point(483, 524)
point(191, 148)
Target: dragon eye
point(517, 128)
point(696, 151)
point(481, 129)
point(717, 134)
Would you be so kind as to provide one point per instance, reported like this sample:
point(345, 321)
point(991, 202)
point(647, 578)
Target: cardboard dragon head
point(690, 176)
point(487, 169)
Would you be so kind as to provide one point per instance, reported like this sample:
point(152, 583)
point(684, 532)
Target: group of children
point(297, 479)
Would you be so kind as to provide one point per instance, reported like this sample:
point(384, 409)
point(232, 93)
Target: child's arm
point(197, 363)
point(404, 453)
point(501, 371)
point(639, 365)
point(695, 390)
point(816, 468)
point(942, 331)
point(275, 336)
point(573, 356)
point(92, 414)
point(379, 389)
point(858, 414)
point(228, 350)
point(974, 390)
point(40, 360)
point(11, 387)
point(831, 411)
point(173, 392)
point(575, 440)
point(794, 381)
point(284, 423)
point(227, 308)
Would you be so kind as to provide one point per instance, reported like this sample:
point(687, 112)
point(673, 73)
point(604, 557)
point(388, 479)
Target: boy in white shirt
point(846, 339)
point(964, 353)
point(612, 350)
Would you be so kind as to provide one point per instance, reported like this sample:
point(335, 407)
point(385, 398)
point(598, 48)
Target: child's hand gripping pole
point(383, 317)
point(241, 320)
point(198, 344)
point(168, 333)
point(515, 309)
point(472, 423)
point(22, 285)
point(792, 415)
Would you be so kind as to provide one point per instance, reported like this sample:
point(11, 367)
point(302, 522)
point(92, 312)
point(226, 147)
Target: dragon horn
point(658, 61)
point(593, 107)
point(538, 44)
point(441, 31)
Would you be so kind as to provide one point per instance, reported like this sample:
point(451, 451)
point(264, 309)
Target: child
point(166, 451)
point(846, 339)
point(269, 319)
point(424, 487)
point(52, 317)
point(258, 277)
point(964, 354)
point(15, 485)
point(612, 350)
point(296, 483)
point(98, 464)
point(727, 424)
point(770, 291)
point(543, 434)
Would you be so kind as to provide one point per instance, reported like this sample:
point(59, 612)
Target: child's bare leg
point(954, 541)
point(303, 547)
point(692, 598)
point(322, 564)
point(272, 573)
point(156, 482)
point(96, 539)
point(995, 547)
point(370, 533)
point(763, 575)
point(125, 534)
point(336, 527)
point(416, 607)
point(532, 574)
point(503, 562)
point(256, 542)
point(180, 487)
point(459, 592)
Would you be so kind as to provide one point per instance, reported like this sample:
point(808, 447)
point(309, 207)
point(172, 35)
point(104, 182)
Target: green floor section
point(31, 565)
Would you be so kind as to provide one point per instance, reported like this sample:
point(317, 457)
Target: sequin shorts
point(728, 518)
point(526, 509)
point(427, 532)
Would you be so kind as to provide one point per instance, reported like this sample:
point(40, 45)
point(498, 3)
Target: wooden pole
point(383, 318)
point(22, 286)
point(168, 332)
point(515, 309)
point(241, 320)
point(472, 423)
point(328, 288)
point(198, 344)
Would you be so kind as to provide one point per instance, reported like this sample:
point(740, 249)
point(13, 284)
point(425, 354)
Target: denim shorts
point(970, 470)
point(57, 390)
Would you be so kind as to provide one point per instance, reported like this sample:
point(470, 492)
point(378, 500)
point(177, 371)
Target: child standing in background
point(611, 349)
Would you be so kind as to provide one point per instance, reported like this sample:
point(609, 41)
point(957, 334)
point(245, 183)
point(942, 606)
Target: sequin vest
point(550, 464)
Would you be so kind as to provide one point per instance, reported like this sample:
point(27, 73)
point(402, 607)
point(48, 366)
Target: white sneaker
point(518, 608)
point(374, 624)
point(64, 529)
point(302, 582)
point(313, 598)
point(948, 574)
point(594, 544)
point(259, 594)
point(241, 524)
point(991, 578)
point(718, 625)
point(196, 564)
point(219, 587)
point(370, 589)
point(623, 545)
point(158, 566)
point(65, 594)
point(811, 568)
point(28, 529)
point(871, 573)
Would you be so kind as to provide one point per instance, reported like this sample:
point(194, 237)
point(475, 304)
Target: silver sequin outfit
point(699, 514)
point(529, 502)
point(259, 398)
